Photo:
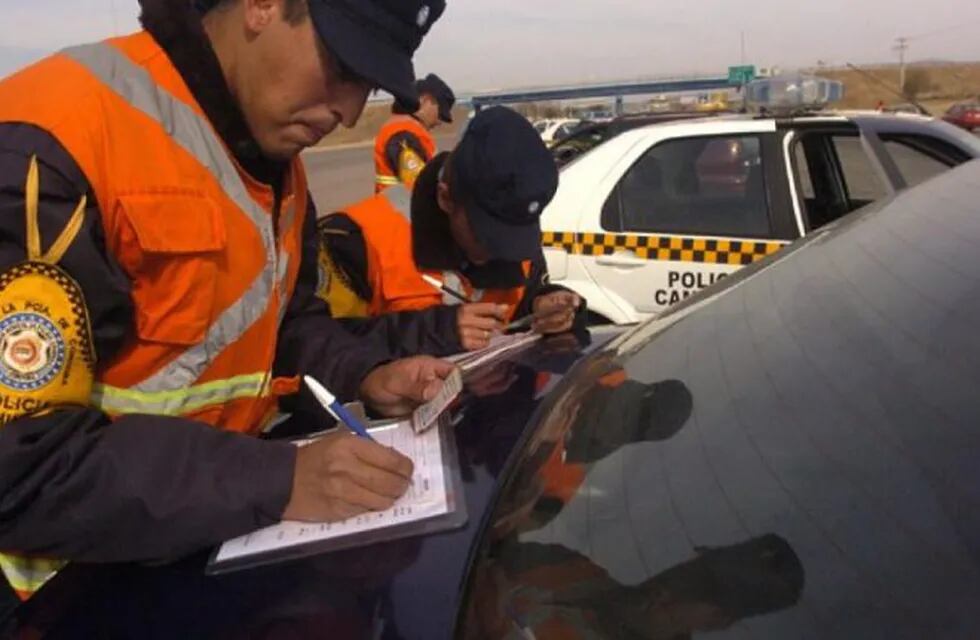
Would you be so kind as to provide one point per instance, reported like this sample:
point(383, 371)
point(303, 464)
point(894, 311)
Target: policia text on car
point(158, 260)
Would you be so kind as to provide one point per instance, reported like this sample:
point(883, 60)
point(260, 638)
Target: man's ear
point(444, 199)
point(259, 14)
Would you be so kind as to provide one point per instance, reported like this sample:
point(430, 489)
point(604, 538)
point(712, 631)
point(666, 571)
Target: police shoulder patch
point(46, 351)
point(410, 165)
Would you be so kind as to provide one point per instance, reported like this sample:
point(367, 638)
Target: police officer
point(404, 144)
point(157, 278)
point(472, 224)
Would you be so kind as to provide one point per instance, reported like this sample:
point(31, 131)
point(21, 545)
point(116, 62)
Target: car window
point(915, 166)
point(835, 174)
point(563, 131)
point(864, 184)
point(706, 186)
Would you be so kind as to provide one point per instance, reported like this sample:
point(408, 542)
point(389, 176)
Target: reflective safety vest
point(212, 264)
point(395, 280)
point(409, 164)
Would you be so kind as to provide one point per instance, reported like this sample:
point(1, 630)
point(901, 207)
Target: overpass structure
point(617, 91)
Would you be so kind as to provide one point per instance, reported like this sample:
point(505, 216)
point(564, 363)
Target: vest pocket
point(173, 248)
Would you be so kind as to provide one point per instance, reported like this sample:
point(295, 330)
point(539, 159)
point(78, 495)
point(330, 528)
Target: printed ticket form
point(426, 498)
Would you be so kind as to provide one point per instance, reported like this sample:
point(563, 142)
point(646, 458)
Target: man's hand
point(555, 312)
point(341, 475)
point(396, 388)
point(478, 322)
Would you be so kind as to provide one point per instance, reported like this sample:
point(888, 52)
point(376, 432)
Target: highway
point(345, 175)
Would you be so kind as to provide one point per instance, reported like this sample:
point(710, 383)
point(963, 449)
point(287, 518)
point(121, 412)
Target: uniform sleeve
point(312, 342)
point(432, 331)
point(74, 484)
point(406, 157)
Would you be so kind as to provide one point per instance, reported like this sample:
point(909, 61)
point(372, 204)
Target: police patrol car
point(657, 213)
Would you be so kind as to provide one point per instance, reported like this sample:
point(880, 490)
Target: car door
point(688, 212)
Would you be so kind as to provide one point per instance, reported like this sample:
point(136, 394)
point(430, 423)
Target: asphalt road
point(343, 176)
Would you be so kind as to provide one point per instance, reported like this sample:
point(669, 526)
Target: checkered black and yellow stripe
point(734, 252)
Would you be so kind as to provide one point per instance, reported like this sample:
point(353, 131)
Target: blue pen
point(334, 408)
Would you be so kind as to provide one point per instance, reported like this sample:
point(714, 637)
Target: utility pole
point(901, 45)
point(743, 47)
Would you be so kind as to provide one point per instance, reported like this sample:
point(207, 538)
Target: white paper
point(499, 346)
point(426, 497)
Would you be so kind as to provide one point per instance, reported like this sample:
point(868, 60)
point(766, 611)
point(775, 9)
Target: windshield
point(793, 454)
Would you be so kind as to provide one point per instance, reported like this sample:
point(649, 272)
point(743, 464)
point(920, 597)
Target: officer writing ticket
point(427, 497)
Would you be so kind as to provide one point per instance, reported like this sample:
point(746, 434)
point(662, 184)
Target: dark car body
point(793, 453)
point(964, 114)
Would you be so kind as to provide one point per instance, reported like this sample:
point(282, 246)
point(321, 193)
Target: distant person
point(472, 223)
point(404, 145)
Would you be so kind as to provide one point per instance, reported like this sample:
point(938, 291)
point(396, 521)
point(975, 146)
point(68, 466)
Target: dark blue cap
point(440, 91)
point(504, 177)
point(376, 39)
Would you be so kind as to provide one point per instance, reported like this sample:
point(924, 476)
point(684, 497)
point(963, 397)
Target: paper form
point(499, 346)
point(426, 497)
point(427, 415)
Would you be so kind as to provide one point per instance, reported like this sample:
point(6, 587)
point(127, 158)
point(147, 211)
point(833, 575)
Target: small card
point(426, 416)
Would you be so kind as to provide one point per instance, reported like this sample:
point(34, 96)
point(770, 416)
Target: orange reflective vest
point(409, 163)
point(211, 269)
point(395, 280)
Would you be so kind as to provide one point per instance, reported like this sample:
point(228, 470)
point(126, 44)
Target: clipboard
point(454, 517)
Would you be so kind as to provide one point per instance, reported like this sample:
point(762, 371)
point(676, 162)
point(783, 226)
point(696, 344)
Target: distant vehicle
point(906, 107)
point(657, 213)
point(964, 114)
point(590, 135)
point(554, 129)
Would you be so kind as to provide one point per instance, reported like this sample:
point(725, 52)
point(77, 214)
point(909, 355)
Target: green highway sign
point(741, 75)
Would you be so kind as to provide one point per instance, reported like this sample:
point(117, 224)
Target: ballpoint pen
point(334, 408)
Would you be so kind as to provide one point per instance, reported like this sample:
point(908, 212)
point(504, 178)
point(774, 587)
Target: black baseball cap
point(504, 177)
point(376, 39)
point(440, 91)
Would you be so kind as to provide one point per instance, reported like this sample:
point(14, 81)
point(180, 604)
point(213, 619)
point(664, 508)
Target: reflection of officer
point(404, 144)
point(473, 225)
point(558, 593)
point(585, 428)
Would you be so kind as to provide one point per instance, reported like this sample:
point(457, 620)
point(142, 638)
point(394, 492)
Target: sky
point(480, 45)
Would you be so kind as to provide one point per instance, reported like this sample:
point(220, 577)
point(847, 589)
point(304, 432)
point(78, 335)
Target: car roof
point(794, 449)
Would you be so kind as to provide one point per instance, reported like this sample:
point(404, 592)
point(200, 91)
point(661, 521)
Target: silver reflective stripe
point(401, 199)
point(196, 136)
point(285, 226)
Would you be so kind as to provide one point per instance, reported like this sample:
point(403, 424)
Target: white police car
point(657, 213)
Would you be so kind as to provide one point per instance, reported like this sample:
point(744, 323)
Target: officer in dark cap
point(405, 143)
point(162, 171)
point(462, 250)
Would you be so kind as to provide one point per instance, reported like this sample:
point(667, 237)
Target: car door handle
point(622, 261)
